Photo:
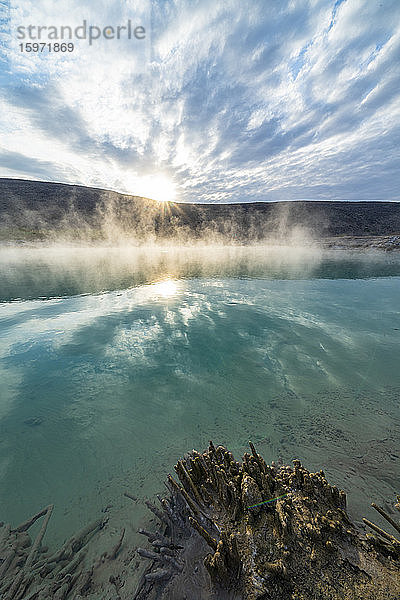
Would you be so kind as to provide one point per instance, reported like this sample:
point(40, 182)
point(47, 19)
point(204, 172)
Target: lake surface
point(114, 362)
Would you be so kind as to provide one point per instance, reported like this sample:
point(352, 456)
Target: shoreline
point(386, 243)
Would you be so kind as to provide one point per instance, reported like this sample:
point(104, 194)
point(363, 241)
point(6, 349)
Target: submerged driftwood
point(29, 572)
point(227, 530)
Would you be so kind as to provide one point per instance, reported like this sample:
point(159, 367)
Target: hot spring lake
point(115, 362)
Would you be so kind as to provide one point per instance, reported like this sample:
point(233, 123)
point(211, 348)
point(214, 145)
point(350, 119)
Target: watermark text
point(84, 31)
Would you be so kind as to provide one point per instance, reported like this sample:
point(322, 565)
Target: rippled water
point(115, 362)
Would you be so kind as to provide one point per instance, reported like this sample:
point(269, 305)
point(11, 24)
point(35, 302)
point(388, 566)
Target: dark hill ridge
point(37, 209)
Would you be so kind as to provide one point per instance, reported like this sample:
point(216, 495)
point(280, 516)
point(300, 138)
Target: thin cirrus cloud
point(228, 101)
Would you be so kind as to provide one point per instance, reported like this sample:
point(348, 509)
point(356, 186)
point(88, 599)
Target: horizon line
point(189, 203)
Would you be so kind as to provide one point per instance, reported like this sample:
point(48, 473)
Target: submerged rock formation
point(274, 532)
point(227, 530)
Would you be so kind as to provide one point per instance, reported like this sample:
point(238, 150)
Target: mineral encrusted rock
point(268, 532)
point(226, 530)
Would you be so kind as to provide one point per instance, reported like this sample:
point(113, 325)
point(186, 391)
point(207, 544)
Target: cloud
point(13, 162)
point(230, 100)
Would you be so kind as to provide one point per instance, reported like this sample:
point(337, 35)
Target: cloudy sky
point(224, 100)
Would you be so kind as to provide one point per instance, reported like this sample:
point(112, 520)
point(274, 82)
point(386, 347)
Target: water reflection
point(166, 288)
point(60, 272)
point(135, 356)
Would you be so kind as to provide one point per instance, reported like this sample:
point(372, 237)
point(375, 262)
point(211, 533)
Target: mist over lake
point(114, 362)
point(199, 300)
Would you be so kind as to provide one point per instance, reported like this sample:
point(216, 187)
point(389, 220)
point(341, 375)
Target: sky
point(219, 101)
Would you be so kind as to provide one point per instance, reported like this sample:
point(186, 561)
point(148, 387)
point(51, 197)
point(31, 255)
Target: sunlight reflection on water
point(112, 367)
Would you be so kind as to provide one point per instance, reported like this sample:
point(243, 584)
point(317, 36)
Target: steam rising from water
point(50, 271)
point(65, 214)
point(55, 271)
point(114, 361)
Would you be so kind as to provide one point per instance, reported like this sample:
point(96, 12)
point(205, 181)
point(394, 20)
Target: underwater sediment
point(225, 529)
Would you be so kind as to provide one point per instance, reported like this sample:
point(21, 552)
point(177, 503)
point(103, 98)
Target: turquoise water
point(113, 363)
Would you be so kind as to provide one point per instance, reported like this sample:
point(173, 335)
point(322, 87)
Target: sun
point(157, 187)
